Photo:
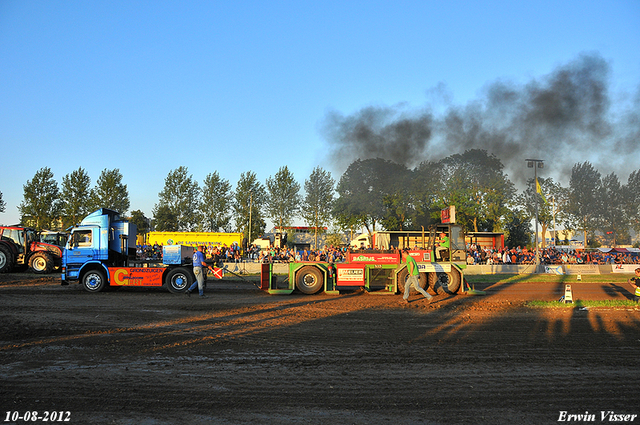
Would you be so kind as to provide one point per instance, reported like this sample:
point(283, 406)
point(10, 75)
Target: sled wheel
point(445, 282)
point(309, 280)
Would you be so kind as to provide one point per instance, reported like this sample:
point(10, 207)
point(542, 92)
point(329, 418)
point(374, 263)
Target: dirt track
point(139, 356)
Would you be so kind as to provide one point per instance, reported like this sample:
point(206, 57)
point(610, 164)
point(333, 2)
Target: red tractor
point(21, 246)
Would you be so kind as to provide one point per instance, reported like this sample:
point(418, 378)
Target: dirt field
point(241, 356)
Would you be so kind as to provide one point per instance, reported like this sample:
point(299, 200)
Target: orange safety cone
point(473, 291)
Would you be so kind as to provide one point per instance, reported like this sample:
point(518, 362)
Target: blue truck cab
point(101, 252)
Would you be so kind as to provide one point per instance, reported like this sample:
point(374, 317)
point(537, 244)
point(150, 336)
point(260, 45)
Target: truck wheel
point(309, 280)
point(41, 262)
point(445, 282)
point(179, 280)
point(6, 260)
point(94, 281)
point(402, 279)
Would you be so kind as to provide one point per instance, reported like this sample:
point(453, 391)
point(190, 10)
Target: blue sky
point(242, 86)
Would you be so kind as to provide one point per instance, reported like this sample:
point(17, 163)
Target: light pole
point(535, 164)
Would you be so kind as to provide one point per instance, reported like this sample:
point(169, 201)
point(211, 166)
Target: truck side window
point(83, 237)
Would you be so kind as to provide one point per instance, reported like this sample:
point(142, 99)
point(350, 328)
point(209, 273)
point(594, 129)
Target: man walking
point(199, 266)
point(412, 277)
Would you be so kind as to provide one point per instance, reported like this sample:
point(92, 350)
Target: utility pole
point(535, 164)
point(250, 208)
point(555, 236)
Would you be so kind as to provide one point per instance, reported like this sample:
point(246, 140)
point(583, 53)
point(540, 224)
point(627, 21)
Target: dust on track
point(242, 356)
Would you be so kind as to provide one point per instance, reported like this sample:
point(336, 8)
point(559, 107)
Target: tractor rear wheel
point(445, 282)
point(41, 262)
point(309, 280)
point(6, 260)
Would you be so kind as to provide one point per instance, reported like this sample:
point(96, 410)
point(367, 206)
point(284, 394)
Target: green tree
point(164, 219)
point(397, 210)
point(614, 220)
point(181, 195)
point(517, 229)
point(553, 195)
point(3, 204)
point(632, 200)
point(558, 199)
point(41, 205)
point(478, 187)
point(76, 197)
point(318, 202)
point(283, 198)
point(426, 185)
point(142, 223)
point(215, 204)
point(362, 190)
point(110, 192)
point(249, 199)
point(585, 201)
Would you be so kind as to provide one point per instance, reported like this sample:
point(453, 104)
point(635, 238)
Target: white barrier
point(625, 268)
point(572, 269)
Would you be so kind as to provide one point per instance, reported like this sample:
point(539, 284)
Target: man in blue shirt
point(198, 269)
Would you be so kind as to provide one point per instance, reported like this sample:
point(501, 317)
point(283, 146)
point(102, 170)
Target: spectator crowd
point(475, 255)
point(520, 255)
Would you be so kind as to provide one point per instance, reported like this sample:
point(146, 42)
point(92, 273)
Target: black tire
point(445, 282)
point(179, 280)
point(94, 281)
point(41, 262)
point(6, 260)
point(309, 280)
point(402, 279)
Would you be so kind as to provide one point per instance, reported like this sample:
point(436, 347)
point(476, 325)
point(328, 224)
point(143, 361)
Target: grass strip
point(552, 278)
point(582, 303)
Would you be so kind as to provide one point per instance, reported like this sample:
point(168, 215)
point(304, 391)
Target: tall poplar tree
point(110, 192)
point(215, 204)
point(614, 220)
point(585, 201)
point(632, 200)
point(76, 197)
point(249, 199)
point(180, 196)
point(142, 223)
point(283, 200)
point(41, 205)
point(317, 205)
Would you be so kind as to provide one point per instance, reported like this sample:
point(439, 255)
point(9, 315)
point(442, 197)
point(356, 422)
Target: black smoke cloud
point(379, 132)
point(564, 118)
